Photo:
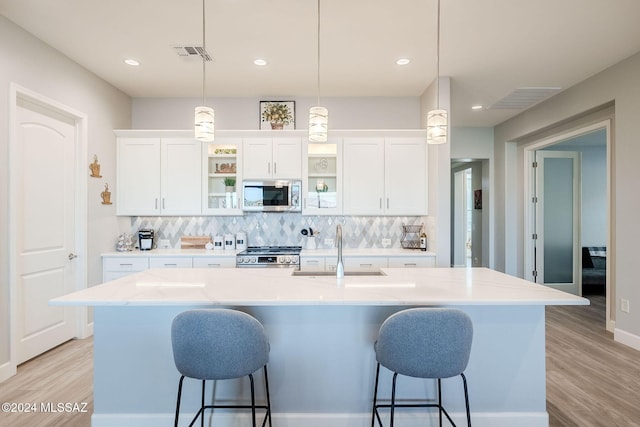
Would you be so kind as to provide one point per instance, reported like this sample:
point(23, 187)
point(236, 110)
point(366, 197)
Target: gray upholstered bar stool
point(423, 343)
point(220, 344)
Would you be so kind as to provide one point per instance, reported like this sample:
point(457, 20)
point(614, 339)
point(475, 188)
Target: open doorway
point(469, 213)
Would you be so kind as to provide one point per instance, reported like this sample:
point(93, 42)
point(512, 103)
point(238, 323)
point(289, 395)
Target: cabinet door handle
point(163, 203)
point(275, 168)
point(410, 264)
point(387, 203)
point(366, 265)
point(313, 261)
point(156, 205)
point(213, 265)
point(170, 265)
point(269, 168)
point(380, 202)
point(126, 265)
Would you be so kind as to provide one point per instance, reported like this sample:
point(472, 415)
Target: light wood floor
point(591, 380)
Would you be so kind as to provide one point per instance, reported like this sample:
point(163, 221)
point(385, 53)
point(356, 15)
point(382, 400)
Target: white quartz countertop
point(277, 287)
point(304, 252)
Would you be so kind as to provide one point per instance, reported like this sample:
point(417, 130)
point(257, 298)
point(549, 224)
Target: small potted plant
point(230, 185)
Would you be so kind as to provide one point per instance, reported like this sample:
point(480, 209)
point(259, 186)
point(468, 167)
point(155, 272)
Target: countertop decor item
point(411, 236)
point(95, 168)
point(278, 115)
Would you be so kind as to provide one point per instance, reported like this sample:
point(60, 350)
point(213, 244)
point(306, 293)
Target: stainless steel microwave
point(271, 196)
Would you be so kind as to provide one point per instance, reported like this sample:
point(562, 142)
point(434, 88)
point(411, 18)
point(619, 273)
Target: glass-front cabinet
point(223, 177)
point(322, 178)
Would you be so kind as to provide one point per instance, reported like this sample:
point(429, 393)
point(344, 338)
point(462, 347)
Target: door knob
point(72, 256)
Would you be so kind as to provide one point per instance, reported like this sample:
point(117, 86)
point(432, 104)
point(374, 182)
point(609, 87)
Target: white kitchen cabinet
point(158, 176)
point(222, 165)
point(272, 158)
point(405, 176)
point(363, 176)
point(385, 176)
point(322, 178)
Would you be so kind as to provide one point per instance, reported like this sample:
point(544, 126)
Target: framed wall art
point(278, 115)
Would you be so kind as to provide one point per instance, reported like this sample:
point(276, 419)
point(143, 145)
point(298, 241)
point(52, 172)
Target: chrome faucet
point(339, 265)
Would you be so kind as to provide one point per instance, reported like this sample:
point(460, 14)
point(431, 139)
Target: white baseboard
point(485, 419)
point(626, 338)
point(7, 370)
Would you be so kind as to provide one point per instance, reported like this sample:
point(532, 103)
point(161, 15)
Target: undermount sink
point(333, 273)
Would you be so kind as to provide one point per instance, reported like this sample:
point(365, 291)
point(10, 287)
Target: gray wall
point(587, 101)
point(243, 113)
point(33, 65)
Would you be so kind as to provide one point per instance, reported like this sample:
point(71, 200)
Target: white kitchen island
point(322, 364)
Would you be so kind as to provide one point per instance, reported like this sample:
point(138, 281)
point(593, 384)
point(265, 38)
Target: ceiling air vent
point(524, 97)
point(192, 51)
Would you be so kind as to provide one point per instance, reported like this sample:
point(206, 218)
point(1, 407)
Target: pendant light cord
point(318, 52)
point(204, 52)
point(438, 60)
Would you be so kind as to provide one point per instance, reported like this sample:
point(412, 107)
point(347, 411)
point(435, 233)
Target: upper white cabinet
point(272, 158)
point(405, 176)
point(158, 176)
point(222, 170)
point(322, 178)
point(363, 176)
point(385, 176)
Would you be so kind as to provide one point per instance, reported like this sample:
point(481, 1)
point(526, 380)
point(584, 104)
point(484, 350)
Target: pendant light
point(204, 116)
point(437, 119)
point(318, 116)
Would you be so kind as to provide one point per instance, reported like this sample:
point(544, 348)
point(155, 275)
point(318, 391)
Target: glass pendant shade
point(204, 124)
point(318, 124)
point(437, 127)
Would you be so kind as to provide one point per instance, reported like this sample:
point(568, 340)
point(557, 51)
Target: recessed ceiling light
point(403, 61)
point(131, 62)
point(477, 107)
point(260, 62)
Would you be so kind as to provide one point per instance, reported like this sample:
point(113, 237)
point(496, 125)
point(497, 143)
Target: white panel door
point(363, 176)
point(45, 228)
point(181, 177)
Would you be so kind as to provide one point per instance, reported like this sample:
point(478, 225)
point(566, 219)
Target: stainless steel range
point(269, 256)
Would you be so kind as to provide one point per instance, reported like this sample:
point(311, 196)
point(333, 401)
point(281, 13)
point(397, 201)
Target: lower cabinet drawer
point(364, 263)
point(170, 262)
point(312, 264)
point(125, 264)
point(412, 262)
point(214, 262)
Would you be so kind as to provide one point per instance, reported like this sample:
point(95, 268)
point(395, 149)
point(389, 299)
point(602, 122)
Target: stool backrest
point(426, 342)
point(216, 344)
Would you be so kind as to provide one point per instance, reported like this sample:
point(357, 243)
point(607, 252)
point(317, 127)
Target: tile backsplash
point(274, 229)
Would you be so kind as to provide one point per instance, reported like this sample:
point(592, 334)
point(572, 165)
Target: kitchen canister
point(229, 242)
point(218, 242)
point(241, 241)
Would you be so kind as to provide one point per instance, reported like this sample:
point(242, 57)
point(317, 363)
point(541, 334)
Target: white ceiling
point(489, 48)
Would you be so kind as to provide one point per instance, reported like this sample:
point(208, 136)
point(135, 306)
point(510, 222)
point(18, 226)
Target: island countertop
point(278, 287)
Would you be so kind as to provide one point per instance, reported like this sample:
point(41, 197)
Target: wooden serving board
point(194, 242)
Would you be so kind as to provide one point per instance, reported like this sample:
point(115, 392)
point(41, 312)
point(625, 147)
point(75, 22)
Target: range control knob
point(281, 260)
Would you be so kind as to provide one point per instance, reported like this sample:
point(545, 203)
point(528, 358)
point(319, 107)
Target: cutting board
point(194, 242)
